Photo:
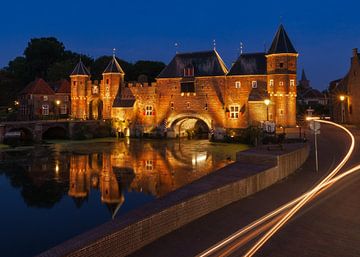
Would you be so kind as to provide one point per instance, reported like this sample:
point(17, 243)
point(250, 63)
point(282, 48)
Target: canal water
point(53, 192)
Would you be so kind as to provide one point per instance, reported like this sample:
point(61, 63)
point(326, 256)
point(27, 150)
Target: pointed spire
point(303, 76)
point(114, 66)
point(281, 43)
point(80, 69)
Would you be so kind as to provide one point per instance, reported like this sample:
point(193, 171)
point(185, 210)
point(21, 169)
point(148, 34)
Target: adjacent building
point(309, 96)
point(42, 100)
point(343, 93)
point(194, 91)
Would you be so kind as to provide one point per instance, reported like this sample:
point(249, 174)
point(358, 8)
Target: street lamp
point(267, 102)
point(57, 102)
point(342, 98)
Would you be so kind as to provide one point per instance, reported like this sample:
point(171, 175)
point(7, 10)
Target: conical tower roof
point(80, 69)
point(281, 43)
point(113, 67)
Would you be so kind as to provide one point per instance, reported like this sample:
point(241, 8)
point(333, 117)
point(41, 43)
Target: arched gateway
point(188, 125)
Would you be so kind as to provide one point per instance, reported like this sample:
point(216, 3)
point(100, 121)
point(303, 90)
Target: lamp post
point(342, 99)
point(267, 102)
point(57, 102)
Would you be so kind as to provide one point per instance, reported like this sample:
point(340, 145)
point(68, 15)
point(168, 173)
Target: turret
point(113, 78)
point(79, 78)
point(281, 70)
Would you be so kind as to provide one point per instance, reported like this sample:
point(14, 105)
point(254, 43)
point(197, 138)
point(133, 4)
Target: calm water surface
point(51, 193)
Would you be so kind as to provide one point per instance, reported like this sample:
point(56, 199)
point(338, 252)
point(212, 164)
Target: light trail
point(307, 197)
point(284, 207)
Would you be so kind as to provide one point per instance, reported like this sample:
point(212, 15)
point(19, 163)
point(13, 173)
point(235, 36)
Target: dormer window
point(189, 71)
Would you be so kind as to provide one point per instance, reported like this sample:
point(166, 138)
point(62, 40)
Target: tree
point(149, 68)
point(41, 53)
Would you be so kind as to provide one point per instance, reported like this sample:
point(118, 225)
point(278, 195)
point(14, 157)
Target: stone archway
point(189, 125)
point(56, 132)
point(96, 109)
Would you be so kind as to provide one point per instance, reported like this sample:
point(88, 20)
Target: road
point(203, 233)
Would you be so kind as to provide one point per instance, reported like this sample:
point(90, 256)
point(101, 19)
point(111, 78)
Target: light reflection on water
point(71, 188)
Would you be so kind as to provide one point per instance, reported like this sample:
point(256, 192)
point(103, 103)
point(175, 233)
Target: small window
point(292, 82)
point(271, 82)
point(281, 83)
point(107, 81)
point(281, 65)
point(63, 109)
point(45, 109)
point(188, 105)
point(189, 71)
point(149, 110)
point(95, 90)
point(237, 84)
point(45, 97)
point(281, 111)
point(188, 87)
point(149, 164)
point(74, 83)
point(234, 111)
point(172, 105)
point(254, 84)
point(350, 109)
point(66, 98)
point(206, 107)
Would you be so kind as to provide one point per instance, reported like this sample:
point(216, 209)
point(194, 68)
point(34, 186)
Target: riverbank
point(255, 170)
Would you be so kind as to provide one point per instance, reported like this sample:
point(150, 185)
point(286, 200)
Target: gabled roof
point(249, 64)
point(312, 93)
point(80, 69)
point(124, 99)
point(207, 63)
point(113, 67)
point(61, 86)
point(259, 93)
point(281, 43)
point(38, 87)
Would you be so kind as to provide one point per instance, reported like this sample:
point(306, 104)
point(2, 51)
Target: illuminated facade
point(195, 91)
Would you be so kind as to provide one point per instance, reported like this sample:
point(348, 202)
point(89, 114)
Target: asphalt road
point(328, 227)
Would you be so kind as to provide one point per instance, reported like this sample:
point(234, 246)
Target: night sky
point(323, 32)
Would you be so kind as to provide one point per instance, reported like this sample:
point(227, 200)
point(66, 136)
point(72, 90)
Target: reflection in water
point(71, 188)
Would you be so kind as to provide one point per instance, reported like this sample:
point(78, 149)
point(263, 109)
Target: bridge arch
point(55, 132)
point(188, 124)
point(27, 134)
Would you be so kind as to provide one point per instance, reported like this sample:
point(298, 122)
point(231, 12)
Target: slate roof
point(258, 94)
point(123, 103)
point(80, 69)
point(303, 76)
point(207, 63)
point(281, 43)
point(113, 67)
point(38, 87)
point(249, 64)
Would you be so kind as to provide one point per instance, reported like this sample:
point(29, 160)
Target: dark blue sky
point(323, 32)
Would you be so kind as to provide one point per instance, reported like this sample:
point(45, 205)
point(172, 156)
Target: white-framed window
point(234, 111)
point(45, 109)
point(95, 90)
point(292, 82)
point(237, 84)
point(63, 109)
point(271, 82)
point(45, 98)
point(254, 84)
point(148, 110)
point(149, 165)
point(281, 83)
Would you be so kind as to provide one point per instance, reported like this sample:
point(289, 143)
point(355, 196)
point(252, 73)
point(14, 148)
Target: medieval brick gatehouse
point(194, 90)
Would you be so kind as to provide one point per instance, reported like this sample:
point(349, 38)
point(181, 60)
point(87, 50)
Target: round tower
point(79, 78)
point(113, 78)
point(281, 70)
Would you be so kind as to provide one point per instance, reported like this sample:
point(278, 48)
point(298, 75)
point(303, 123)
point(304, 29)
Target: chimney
point(355, 52)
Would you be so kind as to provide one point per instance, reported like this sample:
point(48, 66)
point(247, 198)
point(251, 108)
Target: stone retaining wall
point(254, 170)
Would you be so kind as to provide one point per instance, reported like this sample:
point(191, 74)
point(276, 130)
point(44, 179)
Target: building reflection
point(147, 169)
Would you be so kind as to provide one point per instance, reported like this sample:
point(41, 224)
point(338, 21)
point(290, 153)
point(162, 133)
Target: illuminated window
point(95, 90)
point(237, 84)
point(149, 165)
point(254, 84)
point(45, 109)
point(234, 111)
point(292, 82)
point(271, 82)
point(45, 97)
point(148, 110)
point(281, 83)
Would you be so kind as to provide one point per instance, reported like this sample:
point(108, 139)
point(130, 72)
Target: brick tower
point(79, 78)
point(113, 78)
point(281, 70)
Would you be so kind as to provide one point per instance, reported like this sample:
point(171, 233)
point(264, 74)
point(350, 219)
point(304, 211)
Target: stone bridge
point(36, 129)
